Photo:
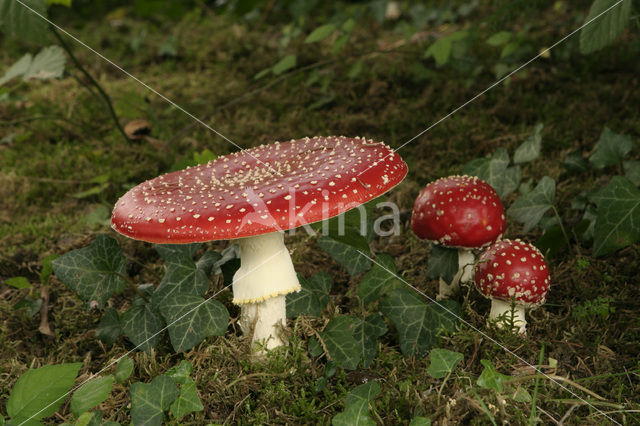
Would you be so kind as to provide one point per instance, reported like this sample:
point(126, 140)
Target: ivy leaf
point(150, 400)
point(420, 421)
point(347, 256)
point(124, 369)
point(610, 149)
point(366, 333)
point(93, 271)
point(499, 38)
point(109, 327)
point(320, 33)
point(48, 63)
point(90, 394)
point(490, 378)
point(183, 276)
point(605, 28)
point(442, 262)
point(19, 22)
point(190, 319)
point(180, 373)
point(443, 362)
point(40, 392)
point(529, 150)
point(187, 402)
point(18, 282)
point(530, 208)
point(495, 171)
point(418, 323)
point(312, 299)
point(632, 171)
point(142, 325)
point(378, 280)
point(356, 407)
point(574, 162)
point(338, 337)
point(618, 219)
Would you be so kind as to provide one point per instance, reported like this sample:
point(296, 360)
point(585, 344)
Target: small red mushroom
point(463, 212)
point(512, 271)
point(253, 196)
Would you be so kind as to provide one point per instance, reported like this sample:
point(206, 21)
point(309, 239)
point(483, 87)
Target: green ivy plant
point(97, 272)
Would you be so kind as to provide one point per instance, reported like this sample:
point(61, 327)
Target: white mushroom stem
point(502, 309)
point(466, 260)
point(265, 277)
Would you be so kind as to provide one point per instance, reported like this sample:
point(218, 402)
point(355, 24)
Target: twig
point(45, 328)
point(82, 69)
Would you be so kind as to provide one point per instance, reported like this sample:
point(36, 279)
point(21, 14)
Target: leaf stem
point(93, 81)
point(564, 231)
point(132, 285)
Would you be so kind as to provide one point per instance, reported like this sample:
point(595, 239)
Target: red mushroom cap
point(259, 190)
point(459, 211)
point(512, 268)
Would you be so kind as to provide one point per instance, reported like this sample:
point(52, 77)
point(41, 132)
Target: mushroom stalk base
point(466, 260)
point(264, 321)
point(265, 276)
point(502, 309)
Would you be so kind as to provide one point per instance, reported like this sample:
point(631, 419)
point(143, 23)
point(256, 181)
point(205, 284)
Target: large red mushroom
point(462, 212)
point(252, 196)
point(514, 275)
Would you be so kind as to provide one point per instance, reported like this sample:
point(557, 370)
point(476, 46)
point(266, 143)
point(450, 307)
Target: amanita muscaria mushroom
point(252, 196)
point(463, 212)
point(512, 271)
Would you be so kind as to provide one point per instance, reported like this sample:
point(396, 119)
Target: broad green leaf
point(32, 306)
point(632, 171)
point(312, 299)
point(18, 69)
point(192, 318)
point(39, 393)
point(618, 222)
point(19, 22)
point(207, 262)
point(366, 333)
point(605, 28)
point(109, 327)
point(610, 149)
point(442, 262)
point(443, 362)
point(60, 2)
point(93, 272)
point(124, 369)
point(349, 257)
point(378, 280)
point(338, 338)
point(18, 282)
point(440, 50)
point(490, 378)
point(183, 276)
point(418, 323)
point(320, 33)
point(284, 64)
point(499, 38)
point(511, 182)
point(89, 418)
point(187, 402)
point(48, 63)
point(574, 162)
point(90, 394)
point(142, 326)
point(530, 208)
point(491, 170)
point(529, 150)
point(356, 407)
point(521, 395)
point(150, 400)
point(180, 373)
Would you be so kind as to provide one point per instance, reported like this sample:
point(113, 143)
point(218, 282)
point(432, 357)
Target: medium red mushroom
point(462, 212)
point(512, 272)
point(252, 196)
